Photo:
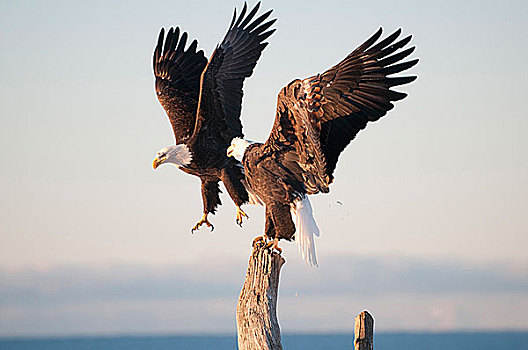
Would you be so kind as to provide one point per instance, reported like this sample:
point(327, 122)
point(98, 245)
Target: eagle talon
point(202, 221)
point(260, 240)
point(273, 245)
point(240, 214)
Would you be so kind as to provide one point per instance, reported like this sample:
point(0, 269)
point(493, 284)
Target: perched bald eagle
point(316, 119)
point(203, 102)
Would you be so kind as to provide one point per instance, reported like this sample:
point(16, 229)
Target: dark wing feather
point(222, 81)
point(318, 117)
point(177, 72)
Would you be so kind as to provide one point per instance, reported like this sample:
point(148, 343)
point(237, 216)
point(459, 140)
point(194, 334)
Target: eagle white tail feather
point(306, 229)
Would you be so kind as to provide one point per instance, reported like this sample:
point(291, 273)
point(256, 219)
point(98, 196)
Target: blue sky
point(95, 240)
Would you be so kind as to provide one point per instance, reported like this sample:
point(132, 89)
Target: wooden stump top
point(364, 332)
point(257, 324)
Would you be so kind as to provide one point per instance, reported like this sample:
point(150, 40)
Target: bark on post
point(257, 325)
point(364, 332)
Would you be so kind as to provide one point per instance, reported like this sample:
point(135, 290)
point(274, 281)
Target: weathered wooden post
point(257, 325)
point(364, 332)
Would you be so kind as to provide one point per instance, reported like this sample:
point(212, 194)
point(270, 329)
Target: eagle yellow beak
point(230, 151)
point(157, 162)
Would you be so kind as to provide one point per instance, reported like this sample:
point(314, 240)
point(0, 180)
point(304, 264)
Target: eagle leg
point(233, 179)
point(273, 245)
point(239, 215)
point(202, 221)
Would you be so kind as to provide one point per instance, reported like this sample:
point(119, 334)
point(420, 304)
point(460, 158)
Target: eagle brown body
point(316, 118)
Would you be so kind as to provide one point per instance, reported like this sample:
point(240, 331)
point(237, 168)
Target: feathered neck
point(238, 148)
point(179, 154)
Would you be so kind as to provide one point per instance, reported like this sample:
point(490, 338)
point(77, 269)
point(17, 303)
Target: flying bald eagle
point(316, 119)
point(203, 102)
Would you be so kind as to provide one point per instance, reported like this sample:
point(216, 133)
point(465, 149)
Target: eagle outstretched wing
point(317, 117)
point(230, 64)
point(177, 73)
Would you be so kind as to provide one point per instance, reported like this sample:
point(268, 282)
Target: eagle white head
point(179, 155)
point(237, 148)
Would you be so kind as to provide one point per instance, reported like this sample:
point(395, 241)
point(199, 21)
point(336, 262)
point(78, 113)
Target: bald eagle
point(316, 119)
point(203, 102)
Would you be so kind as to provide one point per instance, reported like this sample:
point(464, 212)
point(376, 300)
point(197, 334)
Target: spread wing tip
point(242, 21)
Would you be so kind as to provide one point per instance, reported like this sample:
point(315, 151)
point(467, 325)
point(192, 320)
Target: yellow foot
point(202, 221)
point(239, 215)
point(273, 245)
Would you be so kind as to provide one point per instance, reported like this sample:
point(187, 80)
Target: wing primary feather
point(266, 35)
point(192, 47)
point(233, 20)
point(368, 42)
point(400, 80)
point(168, 39)
point(250, 15)
point(264, 26)
point(173, 42)
point(387, 61)
point(392, 48)
point(385, 42)
point(181, 44)
point(380, 99)
point(400, 67)
point(396, 95)
point(157, 50)
point(242, 13)
point(258, 21)
point(177, 33)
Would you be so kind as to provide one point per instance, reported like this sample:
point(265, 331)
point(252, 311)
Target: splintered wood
point(257, 324)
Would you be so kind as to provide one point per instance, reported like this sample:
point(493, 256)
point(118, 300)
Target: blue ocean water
point(382, 341)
